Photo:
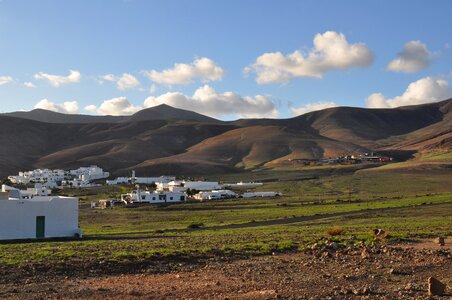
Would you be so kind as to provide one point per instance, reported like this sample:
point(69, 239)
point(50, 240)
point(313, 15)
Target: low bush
point(335, 231)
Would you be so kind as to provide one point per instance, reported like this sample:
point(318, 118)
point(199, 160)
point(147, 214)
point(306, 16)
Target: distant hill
point(160, 112)
point(166, 140)
point(47, 116)
point(166, 112)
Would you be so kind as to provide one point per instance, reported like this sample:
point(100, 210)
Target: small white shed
point(39, 217)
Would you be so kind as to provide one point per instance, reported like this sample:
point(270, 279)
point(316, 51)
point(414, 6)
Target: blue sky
point(238, 58)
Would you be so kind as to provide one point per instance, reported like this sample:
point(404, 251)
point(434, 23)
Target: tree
point(191, 192)
point(152, 186)
point(6, 181)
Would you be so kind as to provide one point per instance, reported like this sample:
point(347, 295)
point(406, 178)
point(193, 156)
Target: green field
point(408, 205)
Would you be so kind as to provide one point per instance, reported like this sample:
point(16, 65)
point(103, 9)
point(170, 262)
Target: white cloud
point(124, 82)
point(203, 69)
point(68, 107)
point(331, 51)
point(29, 85)
point(422, 91)
point(5, 80)
point(312, 107)
point(57, 80)
point(153, 89)
point(115, 107)
point(109, 77)
point(207, 101)
point(91, 108)
point(414, 57)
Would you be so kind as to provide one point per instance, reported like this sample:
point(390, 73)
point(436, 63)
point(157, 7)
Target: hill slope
point(167, 140)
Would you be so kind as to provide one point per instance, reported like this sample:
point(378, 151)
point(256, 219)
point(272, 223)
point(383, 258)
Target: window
point(143, 197)
point(153, 198)
point(171, 198)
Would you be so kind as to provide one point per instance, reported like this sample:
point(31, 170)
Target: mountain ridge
point(159, 112)
point(166, 140)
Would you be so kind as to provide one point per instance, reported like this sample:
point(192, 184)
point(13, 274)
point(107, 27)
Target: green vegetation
point(344, 207)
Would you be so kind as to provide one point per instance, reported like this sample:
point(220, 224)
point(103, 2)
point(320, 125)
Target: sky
point(226, 59)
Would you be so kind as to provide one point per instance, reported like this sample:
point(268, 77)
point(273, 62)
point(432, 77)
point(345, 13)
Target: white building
point(89, 174)
point(140, 196)
point(149, 180)
point(141, 180)
point(81, 177)
point(242, 185)
point(38, 217)
point(260, 194)
point(78, 183)
point(118, 180)
point(182, 185)
point(215, 195)
point(38, 176)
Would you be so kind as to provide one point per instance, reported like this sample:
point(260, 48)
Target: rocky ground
point(324, 271)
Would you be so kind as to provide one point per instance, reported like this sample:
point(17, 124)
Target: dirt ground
point(395, 272)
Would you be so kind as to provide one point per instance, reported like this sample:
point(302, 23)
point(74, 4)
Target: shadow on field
point(97, 237)
point(314, 217)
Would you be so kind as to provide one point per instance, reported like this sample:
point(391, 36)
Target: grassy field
point(408, 205)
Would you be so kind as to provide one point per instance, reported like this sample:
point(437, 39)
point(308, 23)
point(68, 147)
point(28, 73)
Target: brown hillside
point(172, 141)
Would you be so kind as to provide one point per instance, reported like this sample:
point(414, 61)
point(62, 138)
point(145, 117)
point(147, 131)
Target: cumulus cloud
point(29, 85)
point(422, 91)
point(203, 69)
point(115, 107)
point(5, 80)
point(207, 101)
point(58, 80)
point(331, 51)
point(312, 107)
point(127, 81)
point(91, 108)
point(414, 57)
point(68, 107)
point(124, 82)
point(109, 77)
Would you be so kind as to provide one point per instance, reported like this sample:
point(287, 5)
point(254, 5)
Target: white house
point(80, 177)
point(214, 195)
point(88, 174)
point(141, 180)
point(242, 185)
point(155, 197)
point(177, 185)
point(78, 183)
point(260, 194)
point(38, 176)
point(118, 180)
point(38, 217)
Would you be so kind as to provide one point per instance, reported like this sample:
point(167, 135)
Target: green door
point(40, 226)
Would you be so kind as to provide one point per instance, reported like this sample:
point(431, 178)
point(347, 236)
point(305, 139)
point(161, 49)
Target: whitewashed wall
point(18, 217)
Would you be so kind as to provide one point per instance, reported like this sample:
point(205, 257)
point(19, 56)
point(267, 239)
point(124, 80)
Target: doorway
point(40, 227)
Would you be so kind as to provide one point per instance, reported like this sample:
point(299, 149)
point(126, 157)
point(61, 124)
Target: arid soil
point(395, 272)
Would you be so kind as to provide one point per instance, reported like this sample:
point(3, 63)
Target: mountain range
point(167, 140)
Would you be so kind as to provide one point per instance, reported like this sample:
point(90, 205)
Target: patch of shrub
point(195, 225)
point(335, 231)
